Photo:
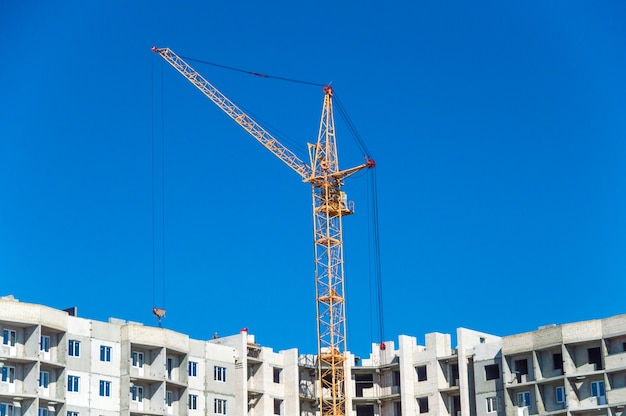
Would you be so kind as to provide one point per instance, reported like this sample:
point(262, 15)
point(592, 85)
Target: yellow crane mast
point(330, 205)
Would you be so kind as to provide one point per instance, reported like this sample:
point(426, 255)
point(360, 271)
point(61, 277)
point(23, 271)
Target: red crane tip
point(154, 49)
point(328, 89)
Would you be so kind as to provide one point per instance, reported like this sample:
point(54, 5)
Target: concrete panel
point(548, 336)
point(517, 343)
point(614, 326)
point(616, 395)
point(20, 312)
point(146, 335)
point(582, 331)
point(615, 361)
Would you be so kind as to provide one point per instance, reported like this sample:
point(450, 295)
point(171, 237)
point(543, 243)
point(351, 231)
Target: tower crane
point(330, 205)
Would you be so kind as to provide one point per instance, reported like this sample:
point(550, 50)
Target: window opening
point(137, 359)
point(597, 388)
point(105, 388)
point(422, 404)
point(8, 374)
point(523, 399)
point(105, 353)
point(277, 374)
point(560, 394)
point(278, 404)
point(492, 372)
point(136, 393)
point(74, 348)
point(9, 337)
point(6, 409)
point(193, 402)
point(422, 374)
point(170, 365)
point(557, 361)
point(72, 383)
point(44, 343)
point(44, 379)
point(219, 407)
point(219, 374)
point(192, 368)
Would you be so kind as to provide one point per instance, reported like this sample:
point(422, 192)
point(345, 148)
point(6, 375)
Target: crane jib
point(234, 112)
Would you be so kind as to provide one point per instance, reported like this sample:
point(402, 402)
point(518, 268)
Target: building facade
point(55, 363)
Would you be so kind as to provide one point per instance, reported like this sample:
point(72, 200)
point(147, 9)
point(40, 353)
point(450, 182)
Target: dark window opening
point(365, 410)
point(277, 373)
point(422, 375)
point(454, 375)
point(422, 404)
point(277, 406)
point(492, 372)
point(557, 361)
point(398, 408)
point(595, 357)
point(624, 346)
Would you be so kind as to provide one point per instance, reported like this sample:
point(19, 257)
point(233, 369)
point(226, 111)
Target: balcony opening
point(362, 382)
point(595, 357)
point(521, 370)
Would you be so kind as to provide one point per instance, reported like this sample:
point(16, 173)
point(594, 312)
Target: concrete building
point(56, 363)
point(571, 369)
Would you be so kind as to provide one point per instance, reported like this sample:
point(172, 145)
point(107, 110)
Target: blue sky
point(497, 127)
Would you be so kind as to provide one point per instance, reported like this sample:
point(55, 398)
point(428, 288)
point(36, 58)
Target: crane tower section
point(330, 205)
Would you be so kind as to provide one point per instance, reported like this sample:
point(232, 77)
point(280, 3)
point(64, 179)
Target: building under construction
point(56, 363)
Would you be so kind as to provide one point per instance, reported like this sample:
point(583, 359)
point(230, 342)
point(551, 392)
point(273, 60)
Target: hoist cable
point(154, 191)
point(163, 186)
point(377, 266)
point(153, 198)
point(375, 272)
point(376, 284)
